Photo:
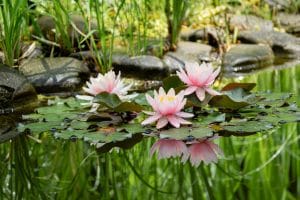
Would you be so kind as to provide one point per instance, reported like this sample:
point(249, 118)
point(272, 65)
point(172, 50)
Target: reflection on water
point(45, 168)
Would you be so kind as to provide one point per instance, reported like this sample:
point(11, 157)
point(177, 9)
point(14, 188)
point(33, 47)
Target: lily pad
point(245, 86)
point(113, 102)
point(172, 82)
point(233, 99)
point(187, 133)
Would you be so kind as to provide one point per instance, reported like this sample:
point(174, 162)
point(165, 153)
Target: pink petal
point(171, 92)
point(184, 114)
point(151, 119)
point(190, 90)
point(212, 92)
point(174, 121)
point(162, 122)
point(152, 102)
point(183, 121)
point(183, 77)
point(161, 91)
point(200, 94)
point(213, 76)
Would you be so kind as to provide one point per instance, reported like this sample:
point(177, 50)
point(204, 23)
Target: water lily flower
point(167, 108)
point(205, 151)
point(110, 83)
point(199, 79)
point(167, 148)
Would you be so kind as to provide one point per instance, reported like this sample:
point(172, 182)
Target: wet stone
point(187, 52)
point(279, 4)
point(15, 90)
point(140, 67)
point(47, 27)
point(54, 75)
point(247, 58)
point(250, 22)
point(290, 22)
point(283, 44)
point(210, 35)
point(7, 128)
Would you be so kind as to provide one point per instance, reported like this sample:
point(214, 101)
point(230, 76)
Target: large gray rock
point(15, 90)
point(187, 52)
point(290, 22)
point(283, 44)
point(140, 67)
point(247, 57)
point(210, 35)
point(47, 26)
point(287, 5)
point(250, 22)
point(52, 75)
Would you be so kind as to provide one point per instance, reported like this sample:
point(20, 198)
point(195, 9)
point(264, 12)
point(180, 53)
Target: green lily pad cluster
point(236, 112)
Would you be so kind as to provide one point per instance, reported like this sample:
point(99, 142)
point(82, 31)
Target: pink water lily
point(167, 148)
point(109, 82)
point(205, 151)
point(199, 78)
point(167, 109)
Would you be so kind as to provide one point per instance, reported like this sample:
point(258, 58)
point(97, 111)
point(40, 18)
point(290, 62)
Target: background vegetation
point(261, 166)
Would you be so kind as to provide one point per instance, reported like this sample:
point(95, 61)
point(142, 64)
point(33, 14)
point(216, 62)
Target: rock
point(290, 22)
point(250, 22)
point(247, 57)
point(279, 4)
point(46, 28)
point(15, 90)
point(187, 52)
point(283, 44)
point(7, 128)
point(140, 67)
point(210, 35)
point(52, 75)
point(1, 57)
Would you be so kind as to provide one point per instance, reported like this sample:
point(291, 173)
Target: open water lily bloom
point(167, 109)
point(167, 148)
point(205, 151)
point(109, 82)
point(199, 79)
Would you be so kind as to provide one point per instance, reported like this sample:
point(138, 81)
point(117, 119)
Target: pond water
point(42, 167)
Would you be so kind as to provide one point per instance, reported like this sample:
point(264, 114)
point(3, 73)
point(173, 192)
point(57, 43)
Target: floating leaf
point(186, 133)
point(246, 127)
point(113, 102)
point(233, 99)
point(172, 82)
point(245, 86)
point(211, 118)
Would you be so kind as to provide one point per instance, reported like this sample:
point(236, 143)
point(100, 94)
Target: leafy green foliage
point(67, 119)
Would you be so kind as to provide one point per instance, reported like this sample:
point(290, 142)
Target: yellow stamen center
point(166, 98)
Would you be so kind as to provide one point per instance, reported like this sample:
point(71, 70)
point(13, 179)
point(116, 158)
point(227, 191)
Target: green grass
point(12, 22)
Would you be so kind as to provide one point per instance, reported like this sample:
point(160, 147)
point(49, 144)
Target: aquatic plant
point(167, 109)
point(175, 12)
point(11, 28)
point(108, 83)
point(199, 79)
